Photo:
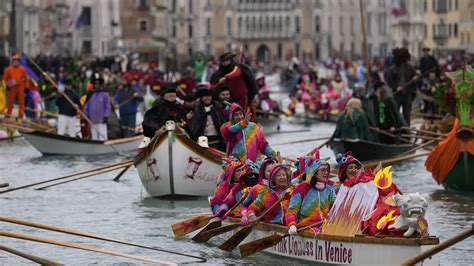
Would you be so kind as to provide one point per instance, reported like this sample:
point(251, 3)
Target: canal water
point(122, 210)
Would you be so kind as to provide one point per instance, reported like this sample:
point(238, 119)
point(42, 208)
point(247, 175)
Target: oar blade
point(258, 245)
point(189, 225)
point(218, 231)
point(212, 225)
point(236, 239)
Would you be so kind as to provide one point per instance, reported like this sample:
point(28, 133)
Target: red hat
point(344, 160)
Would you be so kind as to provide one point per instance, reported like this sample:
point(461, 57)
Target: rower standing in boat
point(98, 109)
point(67, 112)
point(15, 77)
point(311, 200)
point(128, 98)
point(387, 115)
point(167, 108)
point(238, 77)
point(244, 138)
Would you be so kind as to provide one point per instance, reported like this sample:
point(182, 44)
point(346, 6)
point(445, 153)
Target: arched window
point(254, 23)
point(274, 26)
point(267, 24)
point(239, 25)
point(287, 24)
point(280, 24)
point(260, 24)
point(247, 24)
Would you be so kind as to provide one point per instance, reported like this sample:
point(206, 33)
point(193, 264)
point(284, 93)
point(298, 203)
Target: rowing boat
point(174, 165)
point(461, 176)
point(53, 144)
point(333, 249)
point(367, 150)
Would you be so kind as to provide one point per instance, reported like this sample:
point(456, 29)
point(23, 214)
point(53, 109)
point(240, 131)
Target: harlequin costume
point(225, 184)
point(267, 197)
point(310, 201)
point(244, 139)
point(247, 179)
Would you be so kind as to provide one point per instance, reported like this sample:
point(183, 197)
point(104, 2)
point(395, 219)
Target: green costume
point(199, 61)
point(355, 127)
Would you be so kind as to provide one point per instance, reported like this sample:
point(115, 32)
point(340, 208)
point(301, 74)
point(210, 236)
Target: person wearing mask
point(207, 119)
point(98, 109)
point(67, 117)
point(167, 108)
point(128, 98)
point(15, 77)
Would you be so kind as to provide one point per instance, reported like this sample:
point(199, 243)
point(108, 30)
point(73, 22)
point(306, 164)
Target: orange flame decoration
point(383, 178)
point(382, 223)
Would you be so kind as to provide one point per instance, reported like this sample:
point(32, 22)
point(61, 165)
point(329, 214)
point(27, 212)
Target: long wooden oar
point(426, 132)
point(258, 245)
point(93, 236)
point(87, 175)
point(390, 134)
point(33, 258)
point(117, 178)
point(238, 237)
point(191, 224)
point(96, 169)
point(287, 131)
point(201, 237)
point(395, 160)
point(422, 137)
point(83, 247)
point(300, 141)
point(423, 145)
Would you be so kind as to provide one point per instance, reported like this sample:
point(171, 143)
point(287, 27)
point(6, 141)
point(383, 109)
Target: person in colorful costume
point(229, 178)
point(349, 166)
point(238, 77)
point(278, 188)
point(265, 169)
point(311, 200)
point(248, 178)
point(244, 138)
point(199, 62)
point(15, 77)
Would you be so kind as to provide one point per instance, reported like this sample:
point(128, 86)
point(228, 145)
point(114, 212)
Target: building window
point(173, 6)
point(455, 30)
point(456, 5)
point(267, 24)
point(341, 50)
point(143, 25)
point(260, 24)
point(208, 26)
point(316, 24)
point(239, 25)
point(86, 47)
point(297, 24)
point(425, 31)
point(254, 24)
point(85, 17)
point(190, 4)
point(173, 30)
point(229, 26)
point(297, 50)
point(369, 24)
point(351, 21)
point(287, 24)
point(142, 4)
point(190, 30)
point(341, 25)
point(450, 30)
point(425, 6)
point(208, 50)
point(462, 37)
point(440, 6)
point(273, 24)
point(280, 51)
point(317, 51)
point(280, 24)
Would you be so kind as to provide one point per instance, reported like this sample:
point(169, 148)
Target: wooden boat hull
point(53, 144)
point(368, 150)
point(331, 249)
point(461, 176)
point(177, 166)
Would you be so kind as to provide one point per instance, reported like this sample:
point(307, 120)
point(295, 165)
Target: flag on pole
point(398, 8)
point(33, 76)
point(74, 15)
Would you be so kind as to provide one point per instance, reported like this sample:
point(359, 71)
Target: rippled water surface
point(123, 211)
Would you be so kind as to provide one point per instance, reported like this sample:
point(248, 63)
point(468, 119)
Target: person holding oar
point(128, 98)
point(98, 109)
point(247, 179)
point(229, 178)
point(311, 200)
point(67, 118)
point(279, 182)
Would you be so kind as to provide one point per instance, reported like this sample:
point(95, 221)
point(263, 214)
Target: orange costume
point(443, 158)
point(16, 77)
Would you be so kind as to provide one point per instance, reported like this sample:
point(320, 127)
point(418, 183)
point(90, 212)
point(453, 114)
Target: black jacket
point(429, 64)
point(393, 77)
point(159, 114)
point(198, 122)
point(64, 107)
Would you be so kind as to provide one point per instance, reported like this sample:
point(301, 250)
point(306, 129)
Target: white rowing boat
point(53, 144)
point(347, 250)
point(174, 165)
